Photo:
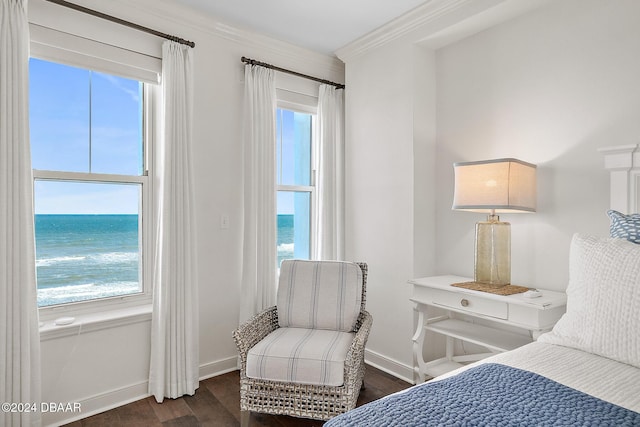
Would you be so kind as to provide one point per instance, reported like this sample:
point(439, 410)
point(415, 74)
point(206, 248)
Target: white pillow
point(603, 300)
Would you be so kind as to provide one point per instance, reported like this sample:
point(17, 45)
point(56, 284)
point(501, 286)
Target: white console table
point(533, 315)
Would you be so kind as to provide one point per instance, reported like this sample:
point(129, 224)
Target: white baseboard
point(99, 403)
point(111, 399)
point(218, 367)
point(390, 366)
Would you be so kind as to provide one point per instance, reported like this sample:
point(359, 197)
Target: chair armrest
point(254, 330)
point(355, 355)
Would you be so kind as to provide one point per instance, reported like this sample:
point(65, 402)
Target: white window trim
point(109, 309)
point(96, 321)
point(57, 35)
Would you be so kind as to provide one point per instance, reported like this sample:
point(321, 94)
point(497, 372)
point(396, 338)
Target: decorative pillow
point(603, 297)
point(625, 226)
point(319, 295)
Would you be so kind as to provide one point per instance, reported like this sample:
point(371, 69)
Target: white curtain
point(19, 335)
point(258, 286)
point(174, 335)
point(330, 179)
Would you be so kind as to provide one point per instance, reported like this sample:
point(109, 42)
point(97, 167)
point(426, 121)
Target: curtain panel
point(19, 334)
point(330, 180)
point(174, 367)
point(258, 287)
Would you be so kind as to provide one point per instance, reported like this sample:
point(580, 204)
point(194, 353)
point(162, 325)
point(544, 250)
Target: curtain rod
point(121, 22)
point(295, 73)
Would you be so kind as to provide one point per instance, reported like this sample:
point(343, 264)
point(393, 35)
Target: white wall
point(549, 87)
point(389, 114)
point(105, 367)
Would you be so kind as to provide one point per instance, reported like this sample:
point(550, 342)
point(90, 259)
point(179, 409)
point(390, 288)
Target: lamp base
point(493, 252)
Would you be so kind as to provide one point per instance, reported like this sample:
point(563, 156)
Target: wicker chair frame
point(302, 400)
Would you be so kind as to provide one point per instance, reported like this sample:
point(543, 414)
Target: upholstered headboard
point(623, 164)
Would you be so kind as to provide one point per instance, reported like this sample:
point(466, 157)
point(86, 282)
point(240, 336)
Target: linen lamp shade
point(494, 186)
point(498, 186)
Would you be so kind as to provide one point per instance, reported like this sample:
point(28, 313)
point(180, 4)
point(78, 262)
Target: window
point(89, 154)
point(295, 184)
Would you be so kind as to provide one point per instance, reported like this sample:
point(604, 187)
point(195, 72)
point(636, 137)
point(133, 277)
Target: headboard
point(623, 164)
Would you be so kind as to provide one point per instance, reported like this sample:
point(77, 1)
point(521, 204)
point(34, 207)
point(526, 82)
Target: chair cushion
point(303, 356)
point(319, 295)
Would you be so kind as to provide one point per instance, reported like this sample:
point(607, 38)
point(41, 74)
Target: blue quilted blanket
point(489, 395)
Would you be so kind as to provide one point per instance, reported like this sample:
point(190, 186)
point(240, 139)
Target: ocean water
point(285, 237)
point(82, 257)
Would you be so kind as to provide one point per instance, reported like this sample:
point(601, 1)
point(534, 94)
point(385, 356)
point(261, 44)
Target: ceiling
point(323, 26)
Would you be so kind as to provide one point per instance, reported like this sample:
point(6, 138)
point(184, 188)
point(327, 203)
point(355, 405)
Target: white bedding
point(606, 379)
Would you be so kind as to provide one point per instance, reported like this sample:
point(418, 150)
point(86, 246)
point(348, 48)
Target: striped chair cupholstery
point(304, 357)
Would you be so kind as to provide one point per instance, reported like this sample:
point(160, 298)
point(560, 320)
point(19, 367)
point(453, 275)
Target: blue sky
point(293, 140)
point(68, 108)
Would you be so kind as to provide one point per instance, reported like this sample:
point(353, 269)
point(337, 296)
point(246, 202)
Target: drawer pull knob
point(464, 303)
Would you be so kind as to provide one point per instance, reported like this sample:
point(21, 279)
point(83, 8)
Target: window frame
point(150, 111)
point(297, 107)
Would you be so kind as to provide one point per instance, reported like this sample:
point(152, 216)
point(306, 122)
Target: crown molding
point(438, 23)
point(307, 59)
point(169, 13)
point(413, 20)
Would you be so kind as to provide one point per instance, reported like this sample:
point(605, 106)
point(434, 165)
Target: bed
point(586, 371)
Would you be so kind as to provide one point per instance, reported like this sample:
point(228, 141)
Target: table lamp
point(494, 186)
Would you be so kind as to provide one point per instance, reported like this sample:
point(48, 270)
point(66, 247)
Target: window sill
point(95, 322)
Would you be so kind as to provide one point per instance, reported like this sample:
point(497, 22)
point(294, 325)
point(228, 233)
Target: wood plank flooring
point(217, 403)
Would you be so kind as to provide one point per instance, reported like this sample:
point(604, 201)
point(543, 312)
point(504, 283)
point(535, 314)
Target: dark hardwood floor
point(217, 403)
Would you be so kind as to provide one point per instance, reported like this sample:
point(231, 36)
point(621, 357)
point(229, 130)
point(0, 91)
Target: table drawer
point(470, 303)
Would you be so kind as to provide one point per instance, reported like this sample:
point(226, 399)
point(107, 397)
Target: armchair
point(304, 357)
